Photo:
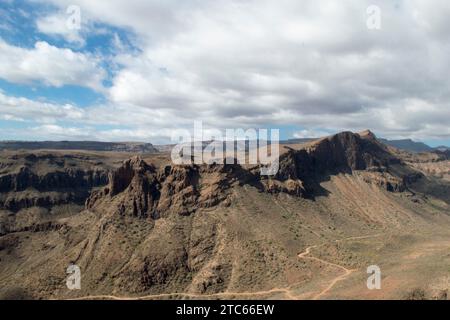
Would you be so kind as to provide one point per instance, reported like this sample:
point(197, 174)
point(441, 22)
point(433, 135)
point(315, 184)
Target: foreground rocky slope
point(217, 228)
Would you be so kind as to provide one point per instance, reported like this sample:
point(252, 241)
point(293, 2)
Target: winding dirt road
point(347, 272)
point(288, 292)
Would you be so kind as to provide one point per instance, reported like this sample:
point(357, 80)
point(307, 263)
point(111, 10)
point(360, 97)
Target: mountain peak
point(367, 134)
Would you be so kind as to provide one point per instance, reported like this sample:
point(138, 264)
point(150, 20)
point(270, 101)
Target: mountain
point(408, 144)
point(132, 147)
point(155, 230)
point(442, 148)
point(444, 153)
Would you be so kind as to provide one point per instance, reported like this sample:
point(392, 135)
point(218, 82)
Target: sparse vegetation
point(416, 294)
point(15, 293)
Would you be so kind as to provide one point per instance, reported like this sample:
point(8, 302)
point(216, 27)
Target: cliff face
point(140, 190)
point(29, 180)
point(349, 151)
point(341, 153)
point(132, 185)
point(52, 181)
point(345, 152)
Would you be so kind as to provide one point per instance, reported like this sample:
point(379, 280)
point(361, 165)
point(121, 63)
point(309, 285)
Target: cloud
point(87, 133)
point(23, 109)
point(50, 65)
point(56, 132)
point(56, 25)
point(312, 64)
point(264, 63)
point(310, 133)
point(44, 120)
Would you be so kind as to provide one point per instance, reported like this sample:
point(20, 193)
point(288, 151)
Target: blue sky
point(141, 70)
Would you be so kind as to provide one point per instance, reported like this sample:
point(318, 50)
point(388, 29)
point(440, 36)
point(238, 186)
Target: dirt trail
point(347, 272)
point(306, 255)
point(287, 291)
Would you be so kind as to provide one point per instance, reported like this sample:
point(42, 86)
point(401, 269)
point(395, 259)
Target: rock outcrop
point(138, 189)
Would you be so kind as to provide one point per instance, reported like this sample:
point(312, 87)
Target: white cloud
point(58, 132)
point(258, 62)
point(311, 133)
point(50, 65)
point(45, 120)
point(23, 109)
point(308, 63)
point(56, 25)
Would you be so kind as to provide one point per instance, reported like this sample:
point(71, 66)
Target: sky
point(135, 70)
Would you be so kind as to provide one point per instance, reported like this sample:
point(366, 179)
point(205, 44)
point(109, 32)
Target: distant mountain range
point(134, 147)
point(408, 144)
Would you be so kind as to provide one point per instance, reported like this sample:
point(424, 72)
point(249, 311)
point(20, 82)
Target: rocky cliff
point(346, 152)
point(141, 190)
point(44, 180)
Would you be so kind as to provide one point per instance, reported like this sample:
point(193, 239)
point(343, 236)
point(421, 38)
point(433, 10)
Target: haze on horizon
point(138, 70)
